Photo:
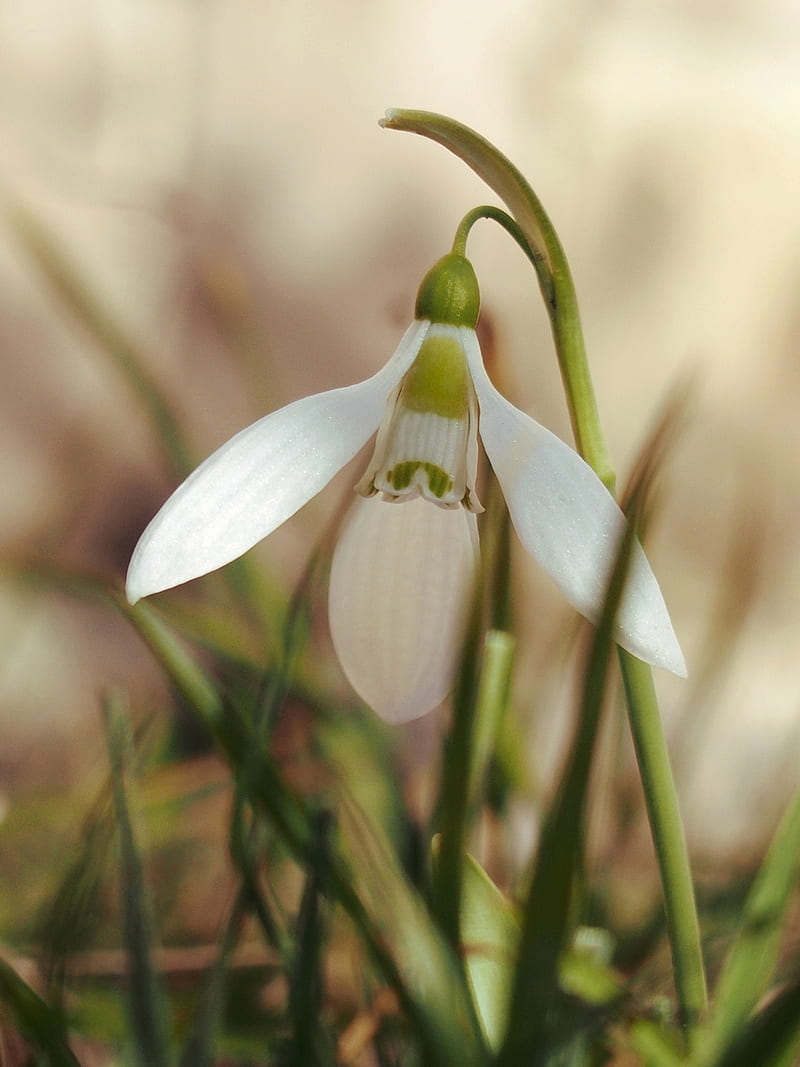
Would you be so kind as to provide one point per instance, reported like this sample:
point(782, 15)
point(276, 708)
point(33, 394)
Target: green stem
point(496, 214)
point(558, 290)
point(667, 828)
point(555, 279)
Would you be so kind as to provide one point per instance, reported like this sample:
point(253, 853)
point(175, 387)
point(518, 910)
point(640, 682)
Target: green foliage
point(34, 1019)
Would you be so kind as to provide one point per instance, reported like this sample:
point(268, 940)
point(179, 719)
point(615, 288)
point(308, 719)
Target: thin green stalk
point(562, 305)
point(553, 271)
point(668, 837)
point(502, 218)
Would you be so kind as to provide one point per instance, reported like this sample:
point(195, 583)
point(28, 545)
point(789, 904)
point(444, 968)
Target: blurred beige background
point(200, 160)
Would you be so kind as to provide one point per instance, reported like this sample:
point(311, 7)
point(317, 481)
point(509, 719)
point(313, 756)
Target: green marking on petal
point(438, 380)
point(402, 474)
point(439, 482)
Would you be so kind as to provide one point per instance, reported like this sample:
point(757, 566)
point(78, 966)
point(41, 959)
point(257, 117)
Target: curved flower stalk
point(403, 571)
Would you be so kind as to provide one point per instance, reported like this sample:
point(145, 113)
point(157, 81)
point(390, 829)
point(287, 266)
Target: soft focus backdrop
point(216, 172)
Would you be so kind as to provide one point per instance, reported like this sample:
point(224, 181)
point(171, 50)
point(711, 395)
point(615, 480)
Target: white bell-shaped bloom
point(403, 571)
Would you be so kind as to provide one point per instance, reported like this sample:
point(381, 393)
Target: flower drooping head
point(403, 570)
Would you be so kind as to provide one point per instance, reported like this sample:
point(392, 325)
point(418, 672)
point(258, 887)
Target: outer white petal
point(401, 584)
point(261, 477)
point(569, 522)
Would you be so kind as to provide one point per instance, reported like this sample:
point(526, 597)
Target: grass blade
point(656, 1048)
point(309, 1043)
point(147, 1003)
point(67, 922)
point(198, 1051)
point(430, 980)
point(751, 961)
point(490, 929)
point(535, 1020)
point(34, 1019)
point(768, 1037)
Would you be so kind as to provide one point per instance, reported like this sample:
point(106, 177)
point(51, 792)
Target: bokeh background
point(216, 173)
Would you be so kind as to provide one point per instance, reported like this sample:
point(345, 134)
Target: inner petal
point(425, 443)
point(425, 452)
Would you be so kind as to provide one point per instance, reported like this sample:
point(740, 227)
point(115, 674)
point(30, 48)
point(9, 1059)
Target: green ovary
point(438, 381)
point(401, 476)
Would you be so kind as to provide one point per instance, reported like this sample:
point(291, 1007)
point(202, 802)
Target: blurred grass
point(258, 1013)
point(275, 901)
point(147, 1005)
point(335, 843)
point(75, 294)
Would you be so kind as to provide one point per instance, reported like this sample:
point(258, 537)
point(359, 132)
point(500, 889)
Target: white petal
point(261, 477)
point(569, 522)
point(401, 586)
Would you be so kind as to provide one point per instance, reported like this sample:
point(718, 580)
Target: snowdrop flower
point(403, 571)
